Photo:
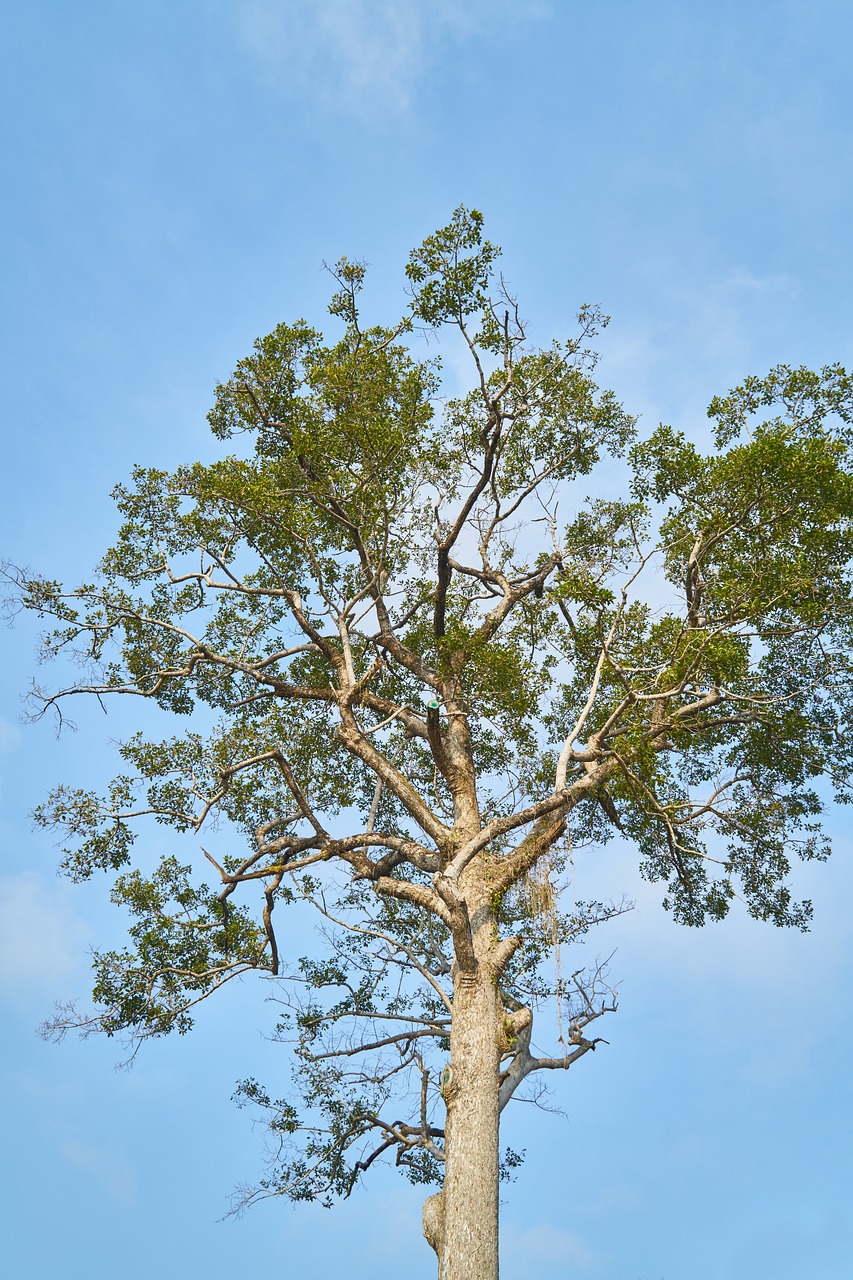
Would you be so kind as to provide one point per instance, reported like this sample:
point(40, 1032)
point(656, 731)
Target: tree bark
point(461, 1222)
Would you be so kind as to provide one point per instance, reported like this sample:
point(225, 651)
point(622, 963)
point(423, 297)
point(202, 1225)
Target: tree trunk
point(461, 1222)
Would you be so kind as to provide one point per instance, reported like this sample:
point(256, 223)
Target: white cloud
point(734, 318)
point(42, 940)
point(10, 735)
point(720, 316)
point(522, 1250)
point(109, 1169)
point(774, 992)
point(740, 278)
point(363, 53)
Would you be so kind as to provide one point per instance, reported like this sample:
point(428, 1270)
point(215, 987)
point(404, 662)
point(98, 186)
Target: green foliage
point(381, 548)
point(451, 285)
point(185, 943)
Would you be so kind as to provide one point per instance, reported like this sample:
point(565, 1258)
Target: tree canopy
point(415, 658)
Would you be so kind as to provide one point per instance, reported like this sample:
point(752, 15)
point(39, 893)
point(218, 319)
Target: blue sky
point(175, 174)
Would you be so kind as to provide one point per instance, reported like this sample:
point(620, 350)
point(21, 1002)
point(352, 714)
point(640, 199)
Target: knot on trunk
point(511, 1028)
point(433, 1221)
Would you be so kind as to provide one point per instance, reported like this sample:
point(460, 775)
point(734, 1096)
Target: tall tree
point(435, 667)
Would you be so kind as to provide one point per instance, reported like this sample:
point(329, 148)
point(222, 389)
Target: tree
point(434, 668)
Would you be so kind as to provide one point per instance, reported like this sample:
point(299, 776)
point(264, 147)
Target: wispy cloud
point(523, 1249)
point(741, 279)
point(42, 940)
point(365, 54)
point(108, 1168)
point(728, 316)
point(761, 978)
point(10, 736)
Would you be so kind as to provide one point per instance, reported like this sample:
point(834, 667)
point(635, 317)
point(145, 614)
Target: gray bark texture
point(461, 1222)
